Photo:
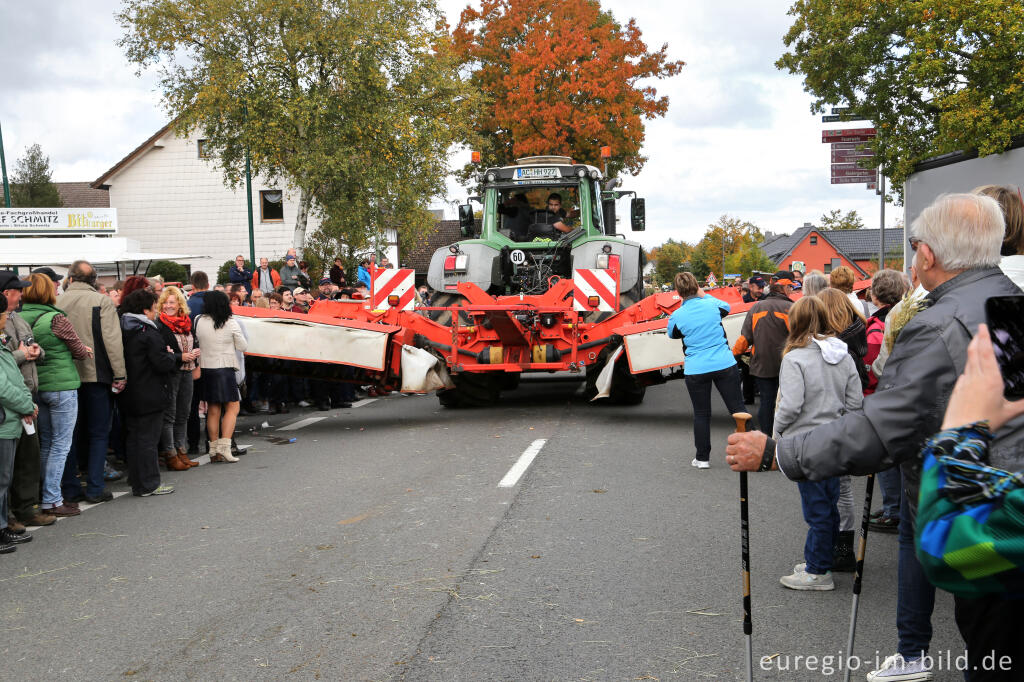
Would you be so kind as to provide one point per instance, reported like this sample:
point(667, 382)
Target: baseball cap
point(299, 290)
point(48, 272)
point(325, 280)
point(9, 280)
point(757, 281)
point(784, 277)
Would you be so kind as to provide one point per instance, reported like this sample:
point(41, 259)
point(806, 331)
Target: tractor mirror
point(466, 219)
point(636, 215)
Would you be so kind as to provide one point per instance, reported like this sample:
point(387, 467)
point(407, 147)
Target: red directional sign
point(850, 165)
point(850, 146)
point(848, 135)
point(849, 155)
point(850, 170)
point(854, 180)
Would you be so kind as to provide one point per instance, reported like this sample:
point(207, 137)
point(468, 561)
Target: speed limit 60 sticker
point(518, 257)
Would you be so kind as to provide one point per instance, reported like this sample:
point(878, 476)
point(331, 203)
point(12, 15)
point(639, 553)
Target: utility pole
point(3, 168)
point(881, 221)
point(248, 197)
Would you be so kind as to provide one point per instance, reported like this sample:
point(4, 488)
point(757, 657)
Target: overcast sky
point(739, 138)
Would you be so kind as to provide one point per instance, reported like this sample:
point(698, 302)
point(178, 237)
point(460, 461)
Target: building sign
point(50, 221)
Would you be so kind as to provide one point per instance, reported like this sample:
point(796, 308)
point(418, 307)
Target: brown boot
point(173, 463)
point(14, 525)
point(184, 458)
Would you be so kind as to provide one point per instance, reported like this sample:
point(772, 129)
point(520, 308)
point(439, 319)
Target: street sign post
point(853, 180)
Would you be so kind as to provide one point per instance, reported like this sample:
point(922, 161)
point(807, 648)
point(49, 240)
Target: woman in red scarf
point(176, 328)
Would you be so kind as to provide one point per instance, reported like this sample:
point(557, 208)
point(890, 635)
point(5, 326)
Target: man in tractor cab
point(553, 216)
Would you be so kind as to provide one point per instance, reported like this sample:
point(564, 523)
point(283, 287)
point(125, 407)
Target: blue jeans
point(915, 596)
point(727, 381)
point(892, 488)
point(58, 412)
point(768, 387)
point(92, 435)
point(818, 500)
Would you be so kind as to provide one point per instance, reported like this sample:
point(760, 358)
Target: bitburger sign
point(51, 221)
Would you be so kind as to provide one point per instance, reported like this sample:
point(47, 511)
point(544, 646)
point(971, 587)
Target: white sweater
point(219, 345)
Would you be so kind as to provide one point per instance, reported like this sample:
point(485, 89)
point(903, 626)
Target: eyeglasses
point(914, 241)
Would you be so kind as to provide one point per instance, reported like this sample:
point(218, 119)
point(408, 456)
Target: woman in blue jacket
point(698, 322)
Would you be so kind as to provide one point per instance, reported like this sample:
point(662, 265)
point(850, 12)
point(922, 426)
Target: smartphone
point(1005, 318)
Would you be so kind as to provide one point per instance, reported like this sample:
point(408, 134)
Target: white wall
point(174, 202)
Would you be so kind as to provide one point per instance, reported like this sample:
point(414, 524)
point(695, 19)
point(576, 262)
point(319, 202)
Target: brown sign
point(847, 146)
point(855, 179)
point(848, 135)
point(850, 165)
point(852, 171)
point(847, 155)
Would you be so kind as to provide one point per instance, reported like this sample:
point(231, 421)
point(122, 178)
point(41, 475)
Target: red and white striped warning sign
point(596, 289)
point(388, 282)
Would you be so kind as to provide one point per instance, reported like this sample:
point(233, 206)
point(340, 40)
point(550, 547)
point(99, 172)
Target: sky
point(738, 139)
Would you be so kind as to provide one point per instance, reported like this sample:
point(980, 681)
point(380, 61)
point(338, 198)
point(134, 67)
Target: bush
point(169, 270)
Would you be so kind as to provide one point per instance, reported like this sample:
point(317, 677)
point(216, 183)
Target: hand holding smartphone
point(1005, 317)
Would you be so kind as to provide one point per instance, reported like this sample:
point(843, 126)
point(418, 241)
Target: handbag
point(970, 517)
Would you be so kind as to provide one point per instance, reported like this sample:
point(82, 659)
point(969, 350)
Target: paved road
point(380, 546)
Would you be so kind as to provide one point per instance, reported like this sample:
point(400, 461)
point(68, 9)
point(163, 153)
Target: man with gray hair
point(956, 244)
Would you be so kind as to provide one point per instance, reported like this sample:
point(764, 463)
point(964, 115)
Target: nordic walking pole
point(741, 426)
point(862, 547)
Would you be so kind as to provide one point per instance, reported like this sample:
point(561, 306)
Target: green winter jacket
point(57, 371)
point(15, 399)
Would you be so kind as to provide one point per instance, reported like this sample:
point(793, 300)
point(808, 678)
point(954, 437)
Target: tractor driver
point(554, 215)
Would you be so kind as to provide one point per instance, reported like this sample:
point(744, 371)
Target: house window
point(829, 267)
point(814, 241)
point(202, 149)
point(271, 206)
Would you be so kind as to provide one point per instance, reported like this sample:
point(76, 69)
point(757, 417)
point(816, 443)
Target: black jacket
point(169, 340)
point(856, 339)
point(149, 367)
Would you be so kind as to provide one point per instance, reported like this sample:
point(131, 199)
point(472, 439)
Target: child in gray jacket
point(818, 382)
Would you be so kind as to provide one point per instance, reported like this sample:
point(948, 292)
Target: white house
point(171, 197)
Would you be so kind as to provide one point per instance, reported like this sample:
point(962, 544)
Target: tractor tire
point(445, 316)
point(626, 390)
point(472, 390)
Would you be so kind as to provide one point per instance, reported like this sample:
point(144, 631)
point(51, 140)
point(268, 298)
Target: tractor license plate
point(535, 173)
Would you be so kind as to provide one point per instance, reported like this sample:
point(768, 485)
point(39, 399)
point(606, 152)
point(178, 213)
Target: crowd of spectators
point(99, 382)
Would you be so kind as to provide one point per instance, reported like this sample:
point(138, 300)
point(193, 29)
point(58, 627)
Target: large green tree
point(355, 103)
point(935, 76)
point(836, 220)
point(560, 77)
point(669, 259)
point(729, 245)
point(32, 181)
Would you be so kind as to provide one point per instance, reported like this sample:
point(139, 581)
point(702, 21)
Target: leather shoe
point(9, 538)
point(63, 510)
point(105, 496)
point(41, 519)
point(15, 526)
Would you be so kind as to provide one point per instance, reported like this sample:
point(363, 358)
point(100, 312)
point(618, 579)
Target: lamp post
point(3, 169)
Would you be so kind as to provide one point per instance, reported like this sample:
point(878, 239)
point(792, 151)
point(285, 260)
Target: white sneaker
point(895, 669)
point(305, 403)
point(700, 464)
point(801, 580)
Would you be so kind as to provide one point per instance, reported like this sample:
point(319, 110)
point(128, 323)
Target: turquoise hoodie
point(698, 322)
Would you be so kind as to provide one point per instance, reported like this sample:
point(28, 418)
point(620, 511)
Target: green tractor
point(542, 218)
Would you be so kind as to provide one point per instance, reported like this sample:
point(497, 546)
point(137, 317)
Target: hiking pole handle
point(741, 419)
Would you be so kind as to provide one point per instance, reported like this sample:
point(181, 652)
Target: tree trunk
point(299, 236)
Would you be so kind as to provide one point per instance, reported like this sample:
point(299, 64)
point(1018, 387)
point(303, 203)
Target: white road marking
point(294, 426)
point(522, 464)
point(364, 401)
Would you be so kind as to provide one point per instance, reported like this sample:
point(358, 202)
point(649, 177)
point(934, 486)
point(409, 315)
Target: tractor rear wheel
point(472, 390)
point(445, 316)
point(626, 389)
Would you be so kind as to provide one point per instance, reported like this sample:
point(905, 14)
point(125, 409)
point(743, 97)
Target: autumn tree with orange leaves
point(560, 77)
